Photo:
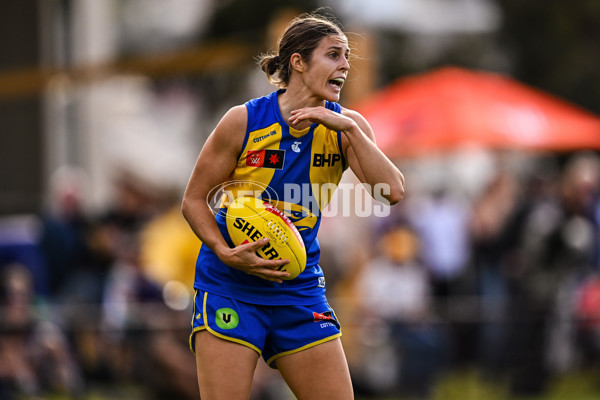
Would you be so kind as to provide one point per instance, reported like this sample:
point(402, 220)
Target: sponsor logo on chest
point(326, 160)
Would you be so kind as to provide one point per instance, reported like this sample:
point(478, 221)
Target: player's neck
point(294, 99)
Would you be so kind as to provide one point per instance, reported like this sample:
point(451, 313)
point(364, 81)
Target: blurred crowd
point(97, 299)
point(505, 281)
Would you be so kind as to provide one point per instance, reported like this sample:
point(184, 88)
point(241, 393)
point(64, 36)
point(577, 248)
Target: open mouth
point(337, 82)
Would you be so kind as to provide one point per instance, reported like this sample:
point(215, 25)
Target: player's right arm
point(214, 165)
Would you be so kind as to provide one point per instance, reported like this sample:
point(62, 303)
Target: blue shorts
point(271, 331)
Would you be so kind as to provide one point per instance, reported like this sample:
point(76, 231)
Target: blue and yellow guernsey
point(297, 171)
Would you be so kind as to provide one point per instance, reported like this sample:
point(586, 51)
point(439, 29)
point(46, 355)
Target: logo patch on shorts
point(326, 316)
point(226, 318)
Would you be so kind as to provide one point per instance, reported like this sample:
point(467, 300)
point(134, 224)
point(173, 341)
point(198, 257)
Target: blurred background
point(482, 284)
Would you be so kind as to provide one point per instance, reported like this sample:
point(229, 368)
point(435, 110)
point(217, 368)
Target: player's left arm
point(367, 161)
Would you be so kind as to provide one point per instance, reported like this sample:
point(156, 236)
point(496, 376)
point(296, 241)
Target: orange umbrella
point(451, 107)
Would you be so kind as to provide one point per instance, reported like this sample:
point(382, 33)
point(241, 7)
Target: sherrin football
point(249, 219)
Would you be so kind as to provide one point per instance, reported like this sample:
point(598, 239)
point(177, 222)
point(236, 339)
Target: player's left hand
point(330, 119)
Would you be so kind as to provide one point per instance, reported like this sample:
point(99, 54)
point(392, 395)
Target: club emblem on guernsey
point(265, 158)
point(296, 147)
point(226, 318)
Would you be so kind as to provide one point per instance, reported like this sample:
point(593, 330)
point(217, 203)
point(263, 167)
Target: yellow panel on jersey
point(325, 169)
point(292, 166)
point(298, 134)
point(246, 173)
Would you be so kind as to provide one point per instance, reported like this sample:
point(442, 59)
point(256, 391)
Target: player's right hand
point(244, 258)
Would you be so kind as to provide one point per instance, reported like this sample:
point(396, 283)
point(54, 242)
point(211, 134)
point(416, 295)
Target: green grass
point(459, 385)
point(581, 386)
point(468, 385)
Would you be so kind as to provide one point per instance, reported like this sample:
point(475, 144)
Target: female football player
point(294, 140)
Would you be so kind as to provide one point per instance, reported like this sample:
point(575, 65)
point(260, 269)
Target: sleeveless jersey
point(297, 171)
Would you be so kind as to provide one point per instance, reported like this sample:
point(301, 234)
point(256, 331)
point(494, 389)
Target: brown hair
point(302, 36)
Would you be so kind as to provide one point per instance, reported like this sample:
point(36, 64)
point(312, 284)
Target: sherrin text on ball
point(250, 219)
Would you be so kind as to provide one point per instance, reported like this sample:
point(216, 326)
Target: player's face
point(328, 67)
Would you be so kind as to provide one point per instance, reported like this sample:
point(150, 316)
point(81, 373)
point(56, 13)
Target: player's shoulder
point(355, 115)
point(261, 102)
point(262, 99)
point(358, 118)
point(262, 111)
point(241, 113)
point(234, 120)
point(236, 113)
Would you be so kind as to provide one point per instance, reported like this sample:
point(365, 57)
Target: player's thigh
point(320, 372)
point(225, 369)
